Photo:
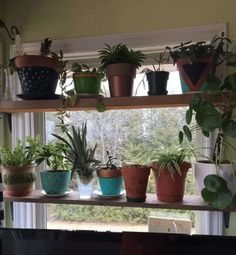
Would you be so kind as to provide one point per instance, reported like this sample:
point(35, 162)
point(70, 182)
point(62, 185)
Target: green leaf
point(181, 136)
point(208, 196)
point(223, 200)
point(208, 117)
point(229, 128)
point(212, 83)
point(101, 108)
point(195, 101)
point(187, 132)
point(189, 114)
point(230, 82)
point(205, 133)
point(215, 183)
point(217, 200)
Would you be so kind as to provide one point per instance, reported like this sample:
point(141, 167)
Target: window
point(86, 48)
point(131, 135)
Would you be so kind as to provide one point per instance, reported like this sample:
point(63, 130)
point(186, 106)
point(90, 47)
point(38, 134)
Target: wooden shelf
point(189, 202)
point(114, 103)
point(85, 104)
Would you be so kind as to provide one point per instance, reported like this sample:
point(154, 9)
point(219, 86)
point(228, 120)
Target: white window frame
point(28, 215)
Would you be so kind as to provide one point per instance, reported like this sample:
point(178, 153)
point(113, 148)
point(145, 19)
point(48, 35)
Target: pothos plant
point(213, 112)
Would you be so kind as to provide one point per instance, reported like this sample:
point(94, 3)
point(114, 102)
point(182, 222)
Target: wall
point(79, 18)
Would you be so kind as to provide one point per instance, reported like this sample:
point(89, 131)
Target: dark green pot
point(87, 83)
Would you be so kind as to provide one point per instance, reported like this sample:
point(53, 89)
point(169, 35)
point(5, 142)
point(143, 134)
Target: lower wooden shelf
point(188, 203)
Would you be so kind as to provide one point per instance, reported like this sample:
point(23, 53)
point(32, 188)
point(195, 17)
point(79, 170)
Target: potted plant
point(55, 181)
point(196, 60)
point(170, 169)
point(87, 80)
point(82, 159)
point(136, 180)
point(120, 64)
point(39, 74)
point(214, 115)
point(110, 178)
point(157, 78)
point(18, 167)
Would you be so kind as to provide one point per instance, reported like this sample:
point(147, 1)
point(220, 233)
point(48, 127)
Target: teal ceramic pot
point(110, 186)
point(110, 182)
point(55, 182)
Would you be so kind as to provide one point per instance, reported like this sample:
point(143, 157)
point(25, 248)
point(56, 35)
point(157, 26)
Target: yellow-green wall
point(78, 18)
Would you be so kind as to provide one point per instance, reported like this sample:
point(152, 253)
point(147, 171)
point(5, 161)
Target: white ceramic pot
point(203, 168)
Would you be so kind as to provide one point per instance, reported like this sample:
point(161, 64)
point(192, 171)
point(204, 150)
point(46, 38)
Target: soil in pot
point(193, 76)
point(136, 180)
point(18, 180)
point(157, 82)
point(55, 182)
point(87, 83)
point(121, 78)
point(110, 181)
point(170, 189)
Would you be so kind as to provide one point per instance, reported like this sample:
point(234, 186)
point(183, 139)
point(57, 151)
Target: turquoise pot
point(110, 186)
point(55, 182)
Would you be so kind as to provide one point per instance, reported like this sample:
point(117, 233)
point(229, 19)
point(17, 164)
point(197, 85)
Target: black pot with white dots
point(38, 76)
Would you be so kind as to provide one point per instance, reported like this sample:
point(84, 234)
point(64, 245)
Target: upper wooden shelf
point(90, 103)
point(112, 103)
point(189, 202)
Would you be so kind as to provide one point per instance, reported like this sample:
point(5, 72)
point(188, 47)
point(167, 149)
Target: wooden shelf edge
point(90, 103)
point(113, 103)
point(189, 202)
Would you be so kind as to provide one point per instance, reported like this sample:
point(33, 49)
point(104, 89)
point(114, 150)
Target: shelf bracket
point(226, 217)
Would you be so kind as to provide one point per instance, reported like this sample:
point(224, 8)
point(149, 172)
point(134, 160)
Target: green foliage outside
point(135, 136)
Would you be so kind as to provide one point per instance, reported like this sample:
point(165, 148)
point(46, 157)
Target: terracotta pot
point(170, 189)
point(193, 76)
point(136, 180)
point(121, 78)
point(38, 76)
point(36, 61)
point(18, 180)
